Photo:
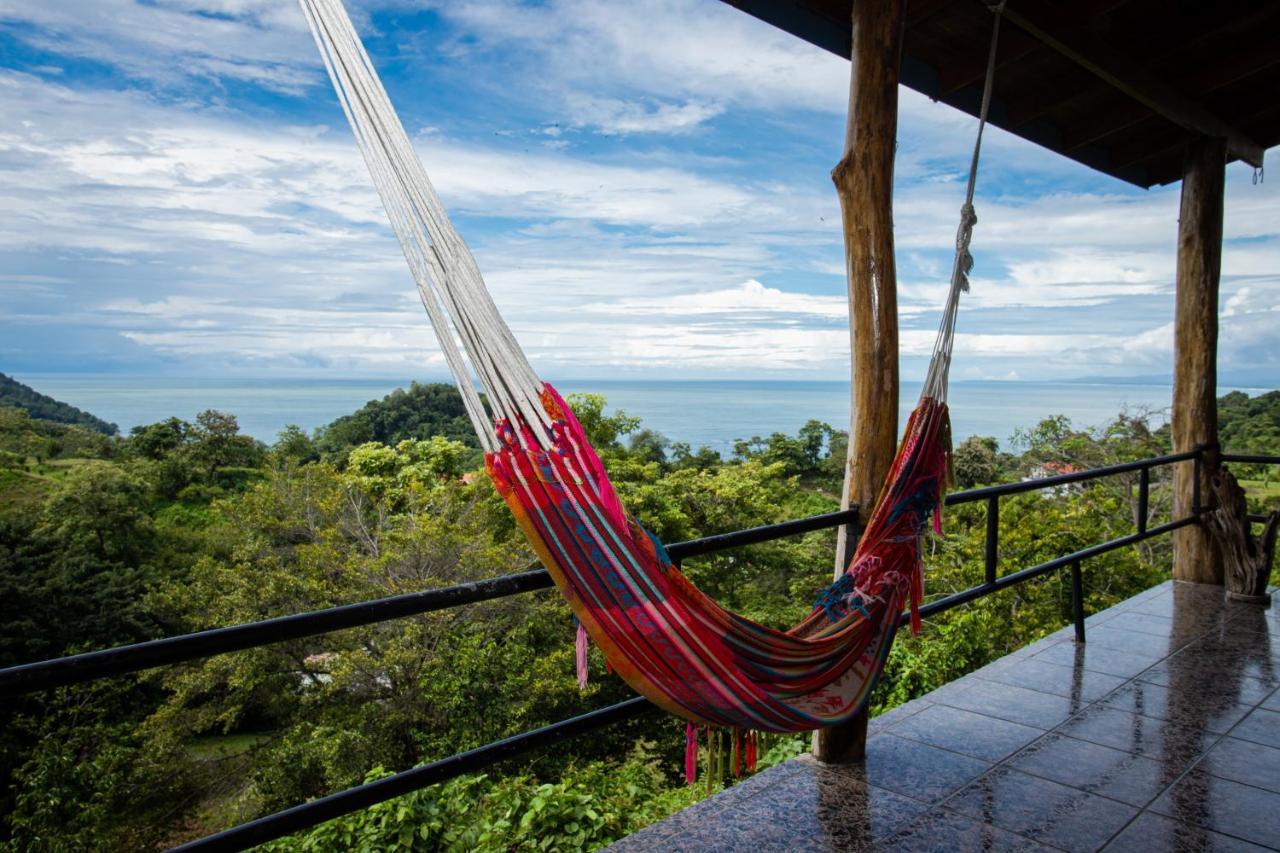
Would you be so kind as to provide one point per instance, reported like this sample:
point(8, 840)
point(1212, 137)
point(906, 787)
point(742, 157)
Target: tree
point(295, 445)
point(99, 511)
point(603, 430)
point(649, 445)
point(159, 440)
point(422, 411)
point(217, 444)
point(800, 455)
point(977, 461)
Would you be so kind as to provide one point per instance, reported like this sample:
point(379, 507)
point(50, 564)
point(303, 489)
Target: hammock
point(668, 640)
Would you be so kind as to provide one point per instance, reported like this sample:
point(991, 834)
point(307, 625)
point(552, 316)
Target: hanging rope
point(935, 384)
point(665, 637)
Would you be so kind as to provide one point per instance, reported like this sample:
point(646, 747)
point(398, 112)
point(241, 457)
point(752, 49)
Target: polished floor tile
point(1174, 745)
point(967, 733)
point(1249, 626)
point(1073, 682)
point(896, 715)
point(1016, 704)
point(1099, 659)
point(1152, 832)
point(1224, 806)
point(830, 807)
point(1147, 623)
point(1262, 726)
point(918, 770)
point(1225, 681)
point(730, 832)
point(1097, 769)
point(944, 831)
point(1044, 811)
point(1245, 762)
point(1212, 712)
point(1247, 660)
point(1116, 636)
point(1160, 733)
point(754, 783)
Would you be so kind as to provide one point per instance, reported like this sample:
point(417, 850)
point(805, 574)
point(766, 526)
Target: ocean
point(702, 413)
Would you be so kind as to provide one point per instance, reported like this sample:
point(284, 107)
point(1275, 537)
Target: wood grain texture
point(864, 183)
point(1195, 351)
point(1246, 559)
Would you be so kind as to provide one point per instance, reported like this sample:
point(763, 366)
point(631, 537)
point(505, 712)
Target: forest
point(186, 525)
point(13, 394)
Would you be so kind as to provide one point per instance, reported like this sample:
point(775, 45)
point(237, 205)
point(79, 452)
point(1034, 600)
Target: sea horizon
point(701, 412)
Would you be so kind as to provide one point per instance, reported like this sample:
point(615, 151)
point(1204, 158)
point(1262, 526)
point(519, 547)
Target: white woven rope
point(476, 343)
point(935, 384)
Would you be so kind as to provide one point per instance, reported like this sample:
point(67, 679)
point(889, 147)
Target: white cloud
point(612, 115)
point(750, 299)
point(210, 232)
point(264, 42)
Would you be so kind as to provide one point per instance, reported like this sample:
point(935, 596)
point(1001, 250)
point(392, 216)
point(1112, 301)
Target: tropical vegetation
point(182, 526)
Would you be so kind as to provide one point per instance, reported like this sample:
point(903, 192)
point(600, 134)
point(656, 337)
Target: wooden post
point(1195, 352)
point(864, 182)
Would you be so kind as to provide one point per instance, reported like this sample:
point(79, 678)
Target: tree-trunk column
point(864, 182)
point(1195, 351)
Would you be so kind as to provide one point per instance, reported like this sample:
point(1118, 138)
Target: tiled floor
point(1161, 733)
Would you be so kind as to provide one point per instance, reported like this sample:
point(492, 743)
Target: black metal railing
point(43, 675)
point(202, 644)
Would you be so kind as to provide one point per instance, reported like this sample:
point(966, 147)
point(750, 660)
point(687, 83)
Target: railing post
point(993, 537)
point(1144, 492)
point(1077, 600)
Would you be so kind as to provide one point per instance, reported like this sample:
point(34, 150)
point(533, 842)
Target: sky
point(646, 186)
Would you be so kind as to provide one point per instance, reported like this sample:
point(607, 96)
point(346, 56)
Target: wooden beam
point(957, 75)
point(1195, 352)
point(1117, 112)
point(919, 11)
point(864, 183)
point(1068, 35)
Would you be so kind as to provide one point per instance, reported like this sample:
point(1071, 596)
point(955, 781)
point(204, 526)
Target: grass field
point(222, 746)
point(1268, 492)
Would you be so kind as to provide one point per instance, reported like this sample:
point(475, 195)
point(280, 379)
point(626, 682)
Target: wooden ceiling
point(1119, 85)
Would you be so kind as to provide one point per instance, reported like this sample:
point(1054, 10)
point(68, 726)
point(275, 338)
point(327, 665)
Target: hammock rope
point(665, 637)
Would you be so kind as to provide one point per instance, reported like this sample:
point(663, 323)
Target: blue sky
point(646, 186)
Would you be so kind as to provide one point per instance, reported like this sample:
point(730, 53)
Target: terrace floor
point(1161, 733)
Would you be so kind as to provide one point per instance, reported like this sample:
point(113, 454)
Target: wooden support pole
point(864, 182)
point(1195, 352)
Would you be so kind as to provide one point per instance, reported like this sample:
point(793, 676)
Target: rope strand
point(936, 380)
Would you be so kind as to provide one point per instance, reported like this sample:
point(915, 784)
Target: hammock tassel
point(690, 753)
point(581, 648)
point(737, 753)
point(751, 751)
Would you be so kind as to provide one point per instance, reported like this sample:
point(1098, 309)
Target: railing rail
point(98, 664)
point(59, 672)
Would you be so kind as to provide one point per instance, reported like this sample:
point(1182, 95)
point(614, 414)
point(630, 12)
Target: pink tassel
point(690, 753)
point(582, 656)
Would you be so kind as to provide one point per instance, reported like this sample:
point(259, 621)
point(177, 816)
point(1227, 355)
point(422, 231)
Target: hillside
point(419, 412)
point(13, 394)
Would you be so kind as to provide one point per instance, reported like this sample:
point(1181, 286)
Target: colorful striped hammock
point(666, 638)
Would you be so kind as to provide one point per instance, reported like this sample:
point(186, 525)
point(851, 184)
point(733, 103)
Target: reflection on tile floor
point(1162, 733)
